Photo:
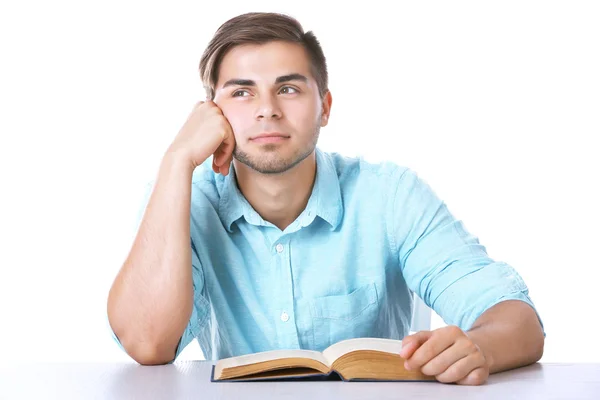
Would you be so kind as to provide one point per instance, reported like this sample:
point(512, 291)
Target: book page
point(338, 349)
point(270, 355)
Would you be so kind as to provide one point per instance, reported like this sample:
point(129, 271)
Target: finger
point(227, 165)
point(461, 368)
point(229, 144)
point(222, 154)
point(225, 149)
point(214, 106)
point(430, 349)
point(409, 349)
point(193, 110)
point(198, 104)
point(412, 342)
point(223, 158)
point(475, 377)
point(446, 358)
point(224, 170)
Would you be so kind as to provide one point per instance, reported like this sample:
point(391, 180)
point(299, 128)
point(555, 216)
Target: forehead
point(264, 62)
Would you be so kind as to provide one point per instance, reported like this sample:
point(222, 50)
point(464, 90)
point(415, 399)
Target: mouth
point(270, 138)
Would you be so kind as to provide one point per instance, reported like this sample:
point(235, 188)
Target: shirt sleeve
point(200, 308)
point(442, 262)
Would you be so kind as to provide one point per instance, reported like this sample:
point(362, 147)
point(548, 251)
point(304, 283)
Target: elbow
point(535, 344)
point(540, 339)
point(151, 358)
point(538, 352)
point(143, 349)
point(145, 354)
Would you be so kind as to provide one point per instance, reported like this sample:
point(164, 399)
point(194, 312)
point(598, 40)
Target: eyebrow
point(280, 79)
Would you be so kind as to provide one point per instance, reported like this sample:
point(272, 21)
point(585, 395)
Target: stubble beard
point(270, 161)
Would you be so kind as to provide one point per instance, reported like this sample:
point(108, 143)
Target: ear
point(326, 108)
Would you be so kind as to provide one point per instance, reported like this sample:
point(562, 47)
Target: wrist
point(178, 160)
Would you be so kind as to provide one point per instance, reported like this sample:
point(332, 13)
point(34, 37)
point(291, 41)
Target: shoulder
point(358, 171)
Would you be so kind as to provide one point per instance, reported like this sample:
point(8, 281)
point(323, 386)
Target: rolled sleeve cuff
point(112, 333)
point(190, 332)
point(512, 296)
point(467, 299)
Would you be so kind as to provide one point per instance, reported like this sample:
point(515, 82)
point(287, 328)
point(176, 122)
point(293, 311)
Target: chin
point(267, 162)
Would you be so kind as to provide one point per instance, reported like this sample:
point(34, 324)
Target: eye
point(235, 94)
point(288, 88)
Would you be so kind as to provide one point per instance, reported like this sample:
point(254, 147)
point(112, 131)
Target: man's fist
point(206, 132)
point(447, 353)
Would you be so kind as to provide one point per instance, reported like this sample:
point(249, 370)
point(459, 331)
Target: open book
point(370, 359)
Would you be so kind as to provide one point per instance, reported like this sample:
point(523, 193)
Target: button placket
point(286, 326)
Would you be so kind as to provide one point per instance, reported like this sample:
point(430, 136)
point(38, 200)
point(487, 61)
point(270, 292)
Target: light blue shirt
point(370, 235)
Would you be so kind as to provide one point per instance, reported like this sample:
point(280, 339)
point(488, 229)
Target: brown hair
point(260, 28)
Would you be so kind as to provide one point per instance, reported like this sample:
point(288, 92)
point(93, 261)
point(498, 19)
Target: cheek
point(237, 117)
point(302, 114)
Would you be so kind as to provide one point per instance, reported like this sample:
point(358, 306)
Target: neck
point(278, 198)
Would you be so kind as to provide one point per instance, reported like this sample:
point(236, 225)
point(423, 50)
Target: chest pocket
point(340, 317)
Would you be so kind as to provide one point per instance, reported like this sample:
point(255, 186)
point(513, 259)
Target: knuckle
point(481, 358)
point(470, 346)
point(224, 128)
point(223, 122)
point(208, 109)
point(455, 330)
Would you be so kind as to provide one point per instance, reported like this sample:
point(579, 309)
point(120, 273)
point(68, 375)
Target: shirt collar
point(325, 200)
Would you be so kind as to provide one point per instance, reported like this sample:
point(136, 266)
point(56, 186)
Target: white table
point(191, 380)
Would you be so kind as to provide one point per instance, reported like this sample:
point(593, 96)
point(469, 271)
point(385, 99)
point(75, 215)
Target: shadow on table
point(146, 382)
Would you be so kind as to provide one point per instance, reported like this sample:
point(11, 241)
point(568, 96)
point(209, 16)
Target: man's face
point(269, 89)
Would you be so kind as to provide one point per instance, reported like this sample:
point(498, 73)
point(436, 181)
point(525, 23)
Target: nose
point(268, 107)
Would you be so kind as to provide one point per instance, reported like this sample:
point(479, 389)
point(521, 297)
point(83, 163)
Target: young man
point(281, 245)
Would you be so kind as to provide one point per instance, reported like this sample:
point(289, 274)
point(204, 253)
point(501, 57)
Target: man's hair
point(260, 28)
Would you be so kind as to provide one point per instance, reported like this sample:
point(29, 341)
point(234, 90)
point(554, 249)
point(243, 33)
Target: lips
point(270, 135)
point(274, 137)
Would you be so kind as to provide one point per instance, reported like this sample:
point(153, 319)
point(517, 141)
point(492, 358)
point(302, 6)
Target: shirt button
point(279, 248)
point(285, 317)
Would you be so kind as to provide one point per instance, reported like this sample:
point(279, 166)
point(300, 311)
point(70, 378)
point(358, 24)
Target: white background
point(496, 105)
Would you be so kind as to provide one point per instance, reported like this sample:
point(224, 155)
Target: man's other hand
point(447, 353)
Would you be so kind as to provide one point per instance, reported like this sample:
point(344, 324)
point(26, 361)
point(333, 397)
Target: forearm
point(509, 335)
point(150, 301)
